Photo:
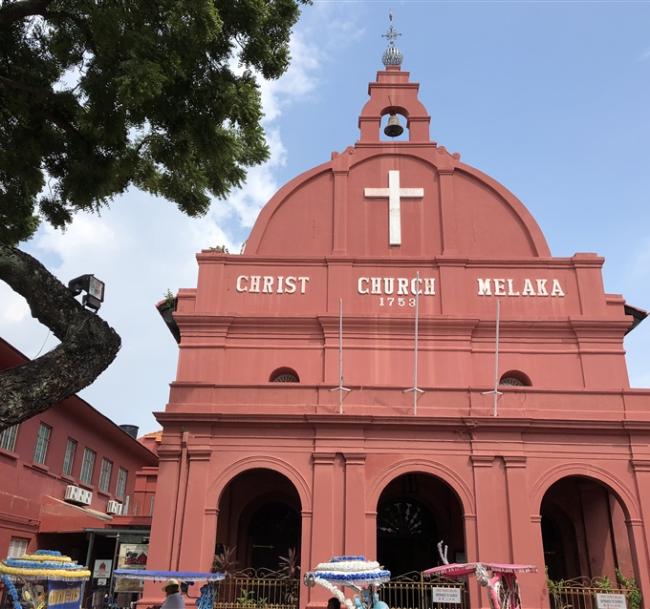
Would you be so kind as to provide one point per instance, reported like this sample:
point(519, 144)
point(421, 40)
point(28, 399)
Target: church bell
point(393, 128)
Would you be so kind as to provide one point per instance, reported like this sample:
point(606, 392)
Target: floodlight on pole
point(93, 287)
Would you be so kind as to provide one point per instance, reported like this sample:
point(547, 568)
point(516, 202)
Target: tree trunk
point(88, 343)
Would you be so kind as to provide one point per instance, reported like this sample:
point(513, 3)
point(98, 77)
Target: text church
point(336, 390)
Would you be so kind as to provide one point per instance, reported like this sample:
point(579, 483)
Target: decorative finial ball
point(392, 56)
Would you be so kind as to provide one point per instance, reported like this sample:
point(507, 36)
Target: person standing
point(174, 598)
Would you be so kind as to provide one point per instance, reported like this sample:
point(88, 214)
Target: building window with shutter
point(120, 489)
point(8, 438)
point(87, 466)
point(68, 459)
point(42, 442)
point(105, 475)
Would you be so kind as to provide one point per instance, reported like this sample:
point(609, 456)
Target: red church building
point(336, 387)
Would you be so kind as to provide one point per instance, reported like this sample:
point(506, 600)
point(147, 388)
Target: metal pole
point(89, 553)
point(415, 389)
point(341, 389)
point(415, 355)
point(113, 567)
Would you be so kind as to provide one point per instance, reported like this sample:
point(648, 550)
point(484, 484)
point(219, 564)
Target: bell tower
point(393, 94)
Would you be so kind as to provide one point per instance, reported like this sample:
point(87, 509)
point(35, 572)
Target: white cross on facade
point(394, 194)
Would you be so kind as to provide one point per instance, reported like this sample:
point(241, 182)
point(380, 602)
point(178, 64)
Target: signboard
point(610, 601)
point(64, 595)
point(102, 568)
point(131, 556)
point(446, 595)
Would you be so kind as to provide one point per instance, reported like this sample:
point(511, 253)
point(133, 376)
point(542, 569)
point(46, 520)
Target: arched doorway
point(585, 538)
point(414, 512)
point(273, 530)
point(258, 540)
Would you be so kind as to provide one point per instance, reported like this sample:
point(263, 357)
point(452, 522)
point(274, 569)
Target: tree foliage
point(99, 95)
point(96, 95)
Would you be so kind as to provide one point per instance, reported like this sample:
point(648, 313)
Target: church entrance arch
point(585, 537)
point(414, 512)
point(258, 540)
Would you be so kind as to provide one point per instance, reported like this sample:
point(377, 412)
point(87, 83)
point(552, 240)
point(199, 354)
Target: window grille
point(87, 466)
point(287, 377)
point(8, 438)
point(511, 380)
point(284, 375)
point(42, 442)
point(515, 378)
point(105, 475)
point(68, 459)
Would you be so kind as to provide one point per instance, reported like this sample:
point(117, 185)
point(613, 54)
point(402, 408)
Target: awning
point(58, 516)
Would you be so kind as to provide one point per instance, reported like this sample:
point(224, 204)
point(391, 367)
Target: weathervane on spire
point(392, 55)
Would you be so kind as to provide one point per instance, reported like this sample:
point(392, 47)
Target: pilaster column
point(471, 555)
point(323, 510)
point(534, 585)
point(518, 509)
point(197, 539)
point(525, 535)
point(639, 547)
point(355, 492)
point(638, 533)
point(323, 518)
point(490, 543)
point(163, 520)
point(164, 509)
point(305, 553)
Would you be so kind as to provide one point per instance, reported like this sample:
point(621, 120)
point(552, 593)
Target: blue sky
point(552, 99)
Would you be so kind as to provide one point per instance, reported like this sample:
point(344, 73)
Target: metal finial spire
point(392, 55)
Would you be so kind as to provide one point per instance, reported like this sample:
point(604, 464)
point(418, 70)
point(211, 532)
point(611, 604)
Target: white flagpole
point(415, 389)
point(495, 391)
point(341, 389)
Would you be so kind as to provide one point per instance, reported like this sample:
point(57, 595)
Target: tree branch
point(88, 343)
point(15, 11)
point(47, 97)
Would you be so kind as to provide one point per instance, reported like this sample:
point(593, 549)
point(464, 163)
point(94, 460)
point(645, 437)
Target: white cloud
point(14, 307)
point(645, 55)
point(261, 184)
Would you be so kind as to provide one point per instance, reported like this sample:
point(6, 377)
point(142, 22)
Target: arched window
point(284, 375)
point(515, 378)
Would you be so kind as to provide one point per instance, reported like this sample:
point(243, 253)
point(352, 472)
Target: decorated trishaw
point(499, 579)
point(44, 579)
point(362, 577)
point(208, 592)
